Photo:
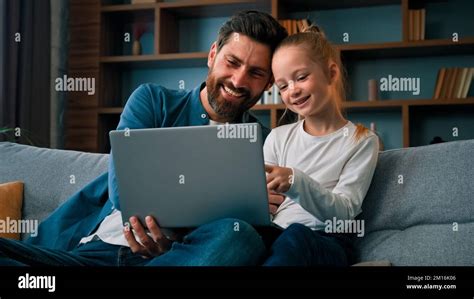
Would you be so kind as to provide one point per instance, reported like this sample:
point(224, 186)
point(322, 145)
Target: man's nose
point(239, 78)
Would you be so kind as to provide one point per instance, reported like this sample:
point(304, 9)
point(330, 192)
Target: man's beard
point(224, 108)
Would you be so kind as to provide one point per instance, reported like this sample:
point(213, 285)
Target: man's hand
point(279, 179)
point(152, 246)
point(275, 201)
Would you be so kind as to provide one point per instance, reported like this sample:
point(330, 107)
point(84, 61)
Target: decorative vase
point(373, 91)
point(136, 47)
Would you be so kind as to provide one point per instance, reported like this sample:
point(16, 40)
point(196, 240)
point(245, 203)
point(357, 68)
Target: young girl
point(323, 164)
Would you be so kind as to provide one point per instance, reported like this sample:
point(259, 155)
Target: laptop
point(189, 176)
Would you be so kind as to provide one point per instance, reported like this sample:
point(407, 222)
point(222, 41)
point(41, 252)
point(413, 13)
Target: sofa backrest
point(419, 209)
point(50, 176)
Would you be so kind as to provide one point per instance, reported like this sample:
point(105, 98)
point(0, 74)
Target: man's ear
point(212, 55)
point(270, 83)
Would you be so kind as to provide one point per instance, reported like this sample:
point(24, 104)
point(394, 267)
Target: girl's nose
point(294, 90)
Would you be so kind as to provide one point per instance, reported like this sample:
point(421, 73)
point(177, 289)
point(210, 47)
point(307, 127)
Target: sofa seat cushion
point(420, 245)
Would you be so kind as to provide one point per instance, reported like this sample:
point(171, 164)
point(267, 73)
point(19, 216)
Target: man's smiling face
point(238, 75)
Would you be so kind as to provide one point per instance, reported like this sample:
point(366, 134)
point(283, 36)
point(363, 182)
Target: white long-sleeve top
point(331, 173)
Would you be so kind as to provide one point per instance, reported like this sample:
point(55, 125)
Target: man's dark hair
point(257, 25)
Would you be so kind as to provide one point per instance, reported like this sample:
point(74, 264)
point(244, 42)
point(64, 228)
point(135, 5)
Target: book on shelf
point(467, 83)
point(453, 83)
point(422, 23)
point(300, 26)
point(276, 96)
point(416, 24)
point(457, 92)
point(267, 97)
point(445, 85)
point(410, 24)
point(439, 83)
point(294, 26)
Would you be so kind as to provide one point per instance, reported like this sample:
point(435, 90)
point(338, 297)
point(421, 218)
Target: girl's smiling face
point(304, 87)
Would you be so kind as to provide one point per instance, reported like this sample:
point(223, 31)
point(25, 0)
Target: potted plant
point(13, 134)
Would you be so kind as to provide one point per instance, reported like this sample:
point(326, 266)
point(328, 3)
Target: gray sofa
point(419, 210)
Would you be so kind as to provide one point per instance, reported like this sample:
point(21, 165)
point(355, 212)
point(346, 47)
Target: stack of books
point(294, 26)
point(416, 24)
point(453, 83)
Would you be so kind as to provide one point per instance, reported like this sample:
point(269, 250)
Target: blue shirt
point(149, 106)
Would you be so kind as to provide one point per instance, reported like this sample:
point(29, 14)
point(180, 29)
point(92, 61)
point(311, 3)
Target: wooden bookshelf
point(193, 59)
point(437, 47)
point(93, 28)
point(354, 51)
point(128, 7)
point(211, 8)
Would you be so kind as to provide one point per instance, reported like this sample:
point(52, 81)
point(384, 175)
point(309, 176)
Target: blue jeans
point(298, 245)
point(219, 243)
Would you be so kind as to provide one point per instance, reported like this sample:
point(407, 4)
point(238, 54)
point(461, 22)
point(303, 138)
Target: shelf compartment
point(195, 17)
point(117, 20)
point(437, 47)
point(291, 6)
point(211, 8)
point(426, 122)
point(388, 125)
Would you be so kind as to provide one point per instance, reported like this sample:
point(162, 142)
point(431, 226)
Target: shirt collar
point(200, 114)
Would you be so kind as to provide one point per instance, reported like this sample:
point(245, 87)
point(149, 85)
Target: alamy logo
point(239, 131)
point(12, 226)
point(37, 282)
point(400, 84)
point(75, 84)
point(345, 226)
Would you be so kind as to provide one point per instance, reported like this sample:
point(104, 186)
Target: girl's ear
point(333, 73)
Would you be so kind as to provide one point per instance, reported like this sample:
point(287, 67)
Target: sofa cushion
point(419, 209)
point(11, 199)
point(50, 176)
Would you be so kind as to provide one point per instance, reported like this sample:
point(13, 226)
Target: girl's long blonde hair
point(322, 52)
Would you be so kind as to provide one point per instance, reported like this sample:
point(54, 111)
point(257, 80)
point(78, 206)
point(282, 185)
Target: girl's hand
point(279, 179)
